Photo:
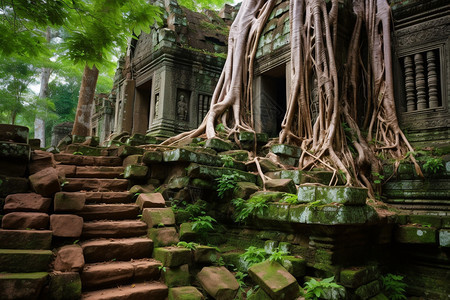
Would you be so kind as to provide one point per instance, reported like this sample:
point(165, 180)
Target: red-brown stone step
point(94, 184)
point(109, 197)
point(99, 172)
point(147, 290)
point(26, 220)
point(107, 274)
point(116, 229)
point(83, 160)
point(117, 249)
point(25, 239)
point(109, 212)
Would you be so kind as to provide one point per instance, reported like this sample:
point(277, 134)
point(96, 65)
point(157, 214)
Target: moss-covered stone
point(22, 285)
point(244, 190)
point(184, 155)
point(274, 212)
point(206, 255)
point(428, 220)
point(333, 194)
point(207, 172)
point(25, 239)
point(295, 175)
point(176, 276)
point(152, 157)
point(64, 286)
point(444, 237)
point(218, 282)
point(284, 247)
point(246, 137)
point(260, 294)
point(64, 201)
point(275, 280)
point(218, 144)
point(17, 151)
point(368, 290)
point(21, 261)
point(186, 232)
point(239, 155)
point(14, 133)
point(281, 185)
point(178, 182)
point(86, 150)
point(158, 216)
point(173, 256)
point(286, 150)
point(332, 215)
point(357, 276)
point(125, 150)
point(185, 293)
point(268, 196)
point(135, 171)
point(164, 236)
point(294, 265)
point(410, 234)
point(380, 296)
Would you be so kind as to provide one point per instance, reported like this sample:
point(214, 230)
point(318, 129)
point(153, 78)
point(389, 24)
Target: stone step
point(22, 285)
point(91, 171)
point(25, 220)
point(21, 261)
point(95, 276)
point(109, 197)
point(114, 229)
point(83, 160)
point(94, 184)
point(109, 212)
point(25, 239)
point(150, 290)
point(117, 249)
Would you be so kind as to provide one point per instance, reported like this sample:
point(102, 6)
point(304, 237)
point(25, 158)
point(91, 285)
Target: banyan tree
point(356, 122)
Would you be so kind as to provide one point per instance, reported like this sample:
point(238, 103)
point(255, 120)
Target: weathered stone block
point(25, 239)
point(186, 232)
point(176, 276)
point(275, 280)
point(260, 294)
point(268, 196)
point(16, 151)
point(41, 160)
point(206, 172)
point(294, 265)
point(218, 282)
point(184, 155)
point(295, 175)
point(27, 202)
point(177, 183)
point(148, 188)
point(409, 234)
point(132, 160)
point(14, 133)
point(172, 256)
point(79, 149)
point(355, 277)
point(368, 290)
point(444, 237)
point(22, 285)
point(135, 171)
point(275, 212)
point(69, 259)
point(152, 157)
point(24, 261)
point(66, 225)
point(25, 220)
point(239, 155)
point(64, 201)
point(428, 220)
point(164, 236)
point(281, 185)
point(125, 151)
point(65, 286)
point(206, 255)
point(218, 144)
point(13, 167)
point(45, 182)
point(185, 293)
point(12, 185)
point(249, 137)
point(286, 150)
point(156, 216)
point(150, 200)
point(332, 215)
point(245, 189)
point(336, 194)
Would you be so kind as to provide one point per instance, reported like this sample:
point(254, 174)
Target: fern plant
point(393, 286)
point(277, 255)
point(253, 255)
point(203, 223)
point(289, 198)
point(433, 165)
point(245, 209)
point(315, 289)
point(191, 245)
point(227, 183)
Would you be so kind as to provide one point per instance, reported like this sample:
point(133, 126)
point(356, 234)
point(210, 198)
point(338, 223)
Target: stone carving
point(409, 84)
point(156, 112)
point(432, 80)
point(182, 108)
point(420, 82)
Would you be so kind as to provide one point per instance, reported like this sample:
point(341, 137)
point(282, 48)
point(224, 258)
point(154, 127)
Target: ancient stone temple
point(165, 82)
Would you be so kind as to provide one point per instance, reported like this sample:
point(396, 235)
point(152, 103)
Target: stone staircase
point(116, 251)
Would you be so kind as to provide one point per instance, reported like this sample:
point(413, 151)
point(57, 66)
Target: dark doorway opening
point(141, 110)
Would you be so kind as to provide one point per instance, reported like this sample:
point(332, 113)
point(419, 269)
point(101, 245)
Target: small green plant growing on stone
point(289, 198)
point(240, 277)
point(393, 286)
point(191, 245)
point(77, 153)
point(159, 225)
point(227, 183)
point(377, 177)
point(220, 128)
point(203, 223)
point(316, 203)
point(433, 165)
point(228, 161)
point(162, 268)
point(245, 209)
point(157, 189)
point(277, 255)
point(253, 255)
point(314, 289)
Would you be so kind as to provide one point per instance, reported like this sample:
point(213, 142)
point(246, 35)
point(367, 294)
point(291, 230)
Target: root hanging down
point(338, 137)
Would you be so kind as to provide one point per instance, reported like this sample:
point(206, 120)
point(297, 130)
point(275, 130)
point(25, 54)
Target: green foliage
point(203, 223)
point(228, 161)
point(316, 203)
point(197, 5)
point(227, 183)
point(315, 289)
point(277, 255)
point(193, 209)
point(191, 245)
point(433, 165)
point(220, 128)
point(77, 153)
point(162, 268)
point(289, 198)
point(253, 255)
point(240, 276)
point(393, 286)
point(245, 209)
point(377, 177)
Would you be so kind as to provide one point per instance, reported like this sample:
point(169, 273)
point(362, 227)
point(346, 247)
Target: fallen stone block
point(64, 286)
point(368, 290)
point(16, 151)
point(244, 190)
point(152, 157)
point(125, 151)
point(132, 160)
point(332, 215)
point(14, 133)
point(176, 276)
point(358, 276)
point(239, 155)
point(184, 155)
point(66, 225)
point(218, 144)
point(28, 202)
point(286, 150)
point(281, 185)
point(410, 234)
point(64, 201)
point(164, 236)
point(211, 173)
point(25, 220)
point(294, 265)
point(206, 255)
point(186, 232)
point(41, 160)
point(173, 256)
point(218, 282)
point(274, 280)
point(22, 285)
point(295, 175)
point(45, 182)
point(158, 216)
point(135, 171)
point(69, 259)
point(333, 194)
point(150, 200)
point(185, 293)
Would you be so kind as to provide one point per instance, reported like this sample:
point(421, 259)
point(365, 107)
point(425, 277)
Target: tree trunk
point(39, 124)
point(82, 124)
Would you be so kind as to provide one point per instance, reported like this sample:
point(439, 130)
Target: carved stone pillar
point(409, 84)
point(432, 80)
point(420, 82)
